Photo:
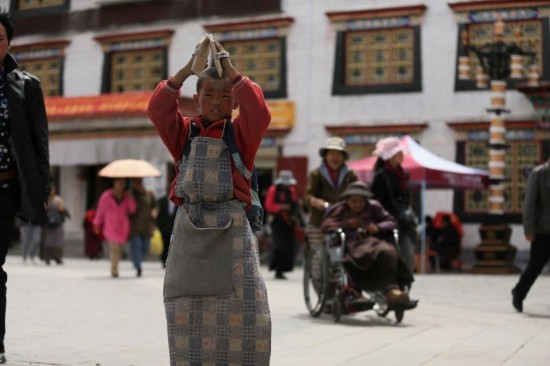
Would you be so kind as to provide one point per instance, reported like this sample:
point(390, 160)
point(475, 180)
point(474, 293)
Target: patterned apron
point(214, 296)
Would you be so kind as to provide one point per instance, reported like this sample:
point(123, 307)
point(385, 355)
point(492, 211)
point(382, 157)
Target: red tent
point(427, 168)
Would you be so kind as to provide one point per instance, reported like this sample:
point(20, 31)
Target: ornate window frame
point(53, 50)
point(113, 44)
point(468, 13)
point(518, 132)
point(15, 5)
point(266, 29)
point(373, 20)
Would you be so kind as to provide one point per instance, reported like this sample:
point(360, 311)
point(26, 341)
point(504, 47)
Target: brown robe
point(372, 262)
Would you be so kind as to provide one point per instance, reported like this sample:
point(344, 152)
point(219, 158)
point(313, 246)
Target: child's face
point(215, 100)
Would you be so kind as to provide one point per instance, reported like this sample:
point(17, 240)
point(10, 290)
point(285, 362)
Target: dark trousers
point(6, 231)
point(8, 200)
point(538, 257)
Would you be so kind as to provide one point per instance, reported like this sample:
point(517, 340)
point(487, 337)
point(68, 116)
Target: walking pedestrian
point(390, 187)
point(52, 232)
point(536, 227)
point(93, 243)
point(282, 203)
point(142, 222)
point(327, 182)
point(112, 219)
point(24, 184)
point(165, 223)
point(214, 295)
point(31, 235)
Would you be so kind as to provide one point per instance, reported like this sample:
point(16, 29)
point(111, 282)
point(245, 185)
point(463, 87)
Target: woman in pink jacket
point(112, 221)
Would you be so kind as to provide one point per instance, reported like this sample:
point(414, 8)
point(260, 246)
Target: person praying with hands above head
point(212, 269)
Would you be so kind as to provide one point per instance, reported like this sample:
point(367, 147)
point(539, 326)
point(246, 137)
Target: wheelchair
point(326, 283)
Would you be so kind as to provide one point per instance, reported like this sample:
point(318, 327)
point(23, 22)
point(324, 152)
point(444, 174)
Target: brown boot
point(395, 297)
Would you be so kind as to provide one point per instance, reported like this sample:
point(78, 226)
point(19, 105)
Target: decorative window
point(136, 70)
point(134, 62)
point(379, 57)
point(258, 50)
point(527, 26)
point(520, 158)
point(377, 51)
point(44, 61)
point(524, 150)
point(38, 4)
point(259, 60)
point(32, 6)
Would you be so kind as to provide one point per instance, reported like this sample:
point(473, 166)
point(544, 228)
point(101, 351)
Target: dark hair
point(210, 73)
point(379, 164)
point(447, 219)
point(7, 21)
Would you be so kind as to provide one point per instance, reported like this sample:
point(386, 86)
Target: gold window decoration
point(135, 61)
point(357, 152)
point(259, 59)
point(520, 157)
point(45, 61)
point(49, 73)
point(136, 70)
point(379, 57)
point(38, 4)
point(526, 34)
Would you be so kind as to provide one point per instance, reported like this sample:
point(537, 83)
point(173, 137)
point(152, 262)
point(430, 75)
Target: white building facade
point(403, 81)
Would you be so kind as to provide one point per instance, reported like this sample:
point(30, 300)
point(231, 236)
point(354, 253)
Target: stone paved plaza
point(75, 314)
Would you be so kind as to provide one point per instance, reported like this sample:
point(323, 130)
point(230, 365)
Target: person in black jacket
point(24, 156)
point(390, 187)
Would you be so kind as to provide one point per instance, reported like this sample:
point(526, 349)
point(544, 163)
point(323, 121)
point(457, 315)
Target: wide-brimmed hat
point(334, 143)
point(387, 147)
point(356, 189)
point(285, 177)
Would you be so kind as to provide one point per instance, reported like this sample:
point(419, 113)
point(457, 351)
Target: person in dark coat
point(447, 244)
point(165, 222)
point(93, 243)
point(370, 260)
point(390, 187)
point(536, 227)
point(24, 156)
point(282, 203)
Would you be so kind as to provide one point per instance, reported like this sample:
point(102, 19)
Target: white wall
point(310, 58)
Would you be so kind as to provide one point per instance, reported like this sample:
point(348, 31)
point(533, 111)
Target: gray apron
point(215, 298)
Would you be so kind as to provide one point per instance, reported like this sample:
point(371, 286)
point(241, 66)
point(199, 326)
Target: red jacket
point(250, 127)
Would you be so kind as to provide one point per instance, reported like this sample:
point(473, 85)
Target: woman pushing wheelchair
point(371, 260)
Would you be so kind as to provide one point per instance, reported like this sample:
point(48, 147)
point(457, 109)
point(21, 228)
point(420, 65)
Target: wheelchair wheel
point(316, 273)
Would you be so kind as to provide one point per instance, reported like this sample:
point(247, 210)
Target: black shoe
point(280, 276)
point(517, 302)
point(138, 272)
point(3, 358)
point(58, 261)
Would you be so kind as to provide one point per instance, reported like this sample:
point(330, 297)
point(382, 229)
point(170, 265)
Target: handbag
point(54, 218)
point(407, 219)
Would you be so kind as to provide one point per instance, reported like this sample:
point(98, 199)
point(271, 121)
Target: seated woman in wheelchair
point(371, 260)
